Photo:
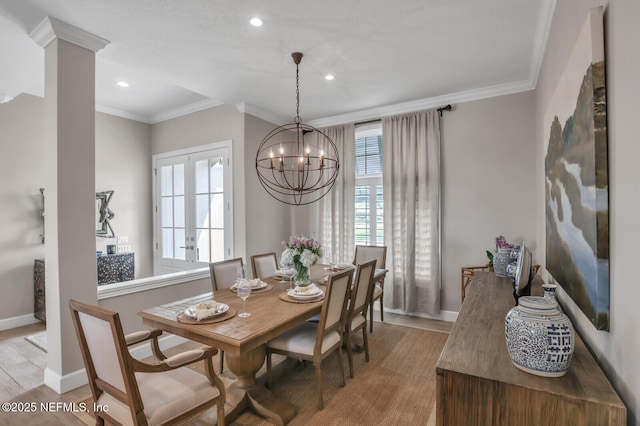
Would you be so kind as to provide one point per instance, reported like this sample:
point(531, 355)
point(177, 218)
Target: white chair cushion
point(164, 395)
point(302, 339)
point(377, 291)
point(357, 321)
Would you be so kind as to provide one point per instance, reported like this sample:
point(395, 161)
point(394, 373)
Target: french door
point(193, 208)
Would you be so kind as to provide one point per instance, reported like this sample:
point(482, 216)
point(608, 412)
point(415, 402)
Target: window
point(369, 220)
point(193, 215)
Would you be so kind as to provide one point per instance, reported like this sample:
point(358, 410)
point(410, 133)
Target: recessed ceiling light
point(329, 77)
point(122, 84)
point(256, 22)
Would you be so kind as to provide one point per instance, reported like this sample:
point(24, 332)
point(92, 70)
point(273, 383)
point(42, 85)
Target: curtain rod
point(360, 123)
point(447, 107)
point(444, 108)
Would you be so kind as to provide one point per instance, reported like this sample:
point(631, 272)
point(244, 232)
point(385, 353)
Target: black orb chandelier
point(296, 163)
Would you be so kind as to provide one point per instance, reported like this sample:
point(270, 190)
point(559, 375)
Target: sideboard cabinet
point(478, 385)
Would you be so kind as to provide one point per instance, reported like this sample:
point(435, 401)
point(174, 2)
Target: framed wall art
point(576, 176)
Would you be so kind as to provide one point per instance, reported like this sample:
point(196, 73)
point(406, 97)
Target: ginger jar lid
point(538, 305)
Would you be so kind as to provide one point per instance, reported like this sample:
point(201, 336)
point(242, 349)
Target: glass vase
point(302, 275)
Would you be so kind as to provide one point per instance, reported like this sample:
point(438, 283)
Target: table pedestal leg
point(245, 392)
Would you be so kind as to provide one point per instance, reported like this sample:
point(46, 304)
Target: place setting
point(303, 294)
point(206, 312)
point(256, 285)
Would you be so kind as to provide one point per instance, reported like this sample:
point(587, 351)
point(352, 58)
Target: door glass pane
point(179, 246)
point(202, 244)
point(217, 211)
point(217, 178)
point(202, 176)
point(202, 211)
point(166, 181)
point(217, 245)
point(167, 211)
point(167, 243)
point(178, 179)
point(178, 210)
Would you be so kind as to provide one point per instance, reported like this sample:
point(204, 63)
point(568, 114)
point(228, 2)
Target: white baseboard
point(62, 384)
point(450, 316)
point(9, 323)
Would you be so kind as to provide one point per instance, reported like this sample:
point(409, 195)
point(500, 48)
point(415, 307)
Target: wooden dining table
point(244, 339)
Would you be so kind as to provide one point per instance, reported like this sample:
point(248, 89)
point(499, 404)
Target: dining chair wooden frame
point(224, 275)
point(261, 265)
point(359, 301)
point(126, 384)
point(326, 335)
point(364, 254)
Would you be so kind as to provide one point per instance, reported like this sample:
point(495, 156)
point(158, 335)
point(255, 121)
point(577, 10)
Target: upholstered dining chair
point(365, 254)
point(312, 341)
point(264, 265)
point(359, 301)
point(224, 274)
point(164, 392)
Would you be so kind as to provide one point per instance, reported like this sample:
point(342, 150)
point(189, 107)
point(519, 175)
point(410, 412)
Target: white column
point(70, 222)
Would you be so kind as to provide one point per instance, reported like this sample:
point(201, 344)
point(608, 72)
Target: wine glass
point(240, 274)
point(285, 269)
point(244, 290)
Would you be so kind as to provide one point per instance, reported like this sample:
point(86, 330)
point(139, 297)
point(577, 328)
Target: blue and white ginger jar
point(540, 338)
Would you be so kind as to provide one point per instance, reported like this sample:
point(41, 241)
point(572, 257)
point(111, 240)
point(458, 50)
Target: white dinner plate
point(221, 309)
point(305, 296)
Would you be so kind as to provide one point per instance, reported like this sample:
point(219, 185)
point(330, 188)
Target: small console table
point(478, 385)
point(111, 268)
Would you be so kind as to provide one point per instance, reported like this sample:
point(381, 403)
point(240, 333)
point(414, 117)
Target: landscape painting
point(576, 177)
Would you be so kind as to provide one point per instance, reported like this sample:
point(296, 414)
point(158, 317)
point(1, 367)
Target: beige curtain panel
point(411, 180)
point(336, 210)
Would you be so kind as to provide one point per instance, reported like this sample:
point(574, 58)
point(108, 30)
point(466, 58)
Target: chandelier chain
point(297, 118)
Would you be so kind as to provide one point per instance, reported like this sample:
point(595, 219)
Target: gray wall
point(488, 183)
point(22, 164)
point(617, 350)
point(123, 164)
point(267, 220)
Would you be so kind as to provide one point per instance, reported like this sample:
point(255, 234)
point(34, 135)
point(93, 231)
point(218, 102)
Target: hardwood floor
point(22, 367)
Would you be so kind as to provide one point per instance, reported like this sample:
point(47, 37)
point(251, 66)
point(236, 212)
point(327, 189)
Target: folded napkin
point(306, 290)
point(204, 310)
point(343, 265)
point(255, 284)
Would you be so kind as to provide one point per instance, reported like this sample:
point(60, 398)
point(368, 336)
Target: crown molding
point(50, 28)
point(124, 114)
point(426, 103)
point(262, 114)
point(545, 18)
point(184, 110)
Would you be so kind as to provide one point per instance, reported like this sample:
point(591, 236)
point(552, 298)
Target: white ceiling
point(184, 55)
